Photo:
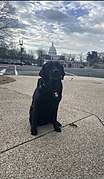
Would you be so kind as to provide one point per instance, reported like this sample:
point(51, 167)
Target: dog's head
point(52, 70)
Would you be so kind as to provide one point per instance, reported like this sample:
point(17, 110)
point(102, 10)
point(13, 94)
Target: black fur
point(46, 97)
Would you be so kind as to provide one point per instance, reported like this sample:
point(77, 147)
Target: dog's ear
point(41, 73)
point(63, 73)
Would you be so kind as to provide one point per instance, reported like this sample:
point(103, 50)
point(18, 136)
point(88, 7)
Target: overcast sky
point(74, 27)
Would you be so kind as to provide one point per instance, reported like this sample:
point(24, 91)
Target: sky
point(73, 26)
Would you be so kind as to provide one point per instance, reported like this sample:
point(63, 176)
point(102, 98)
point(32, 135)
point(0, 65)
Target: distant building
point(53, 53)
point(98, 65)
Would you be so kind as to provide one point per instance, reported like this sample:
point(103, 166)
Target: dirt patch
point(5, 79)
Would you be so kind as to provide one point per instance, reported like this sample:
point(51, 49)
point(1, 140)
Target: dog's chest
point(49, 98)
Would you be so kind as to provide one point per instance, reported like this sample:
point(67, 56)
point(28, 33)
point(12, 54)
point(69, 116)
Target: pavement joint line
point(100, 120)
point(79, 110)
point(15, 91)
point(27, 141)
point(81, 119)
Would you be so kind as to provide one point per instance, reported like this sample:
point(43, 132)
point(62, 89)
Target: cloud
point(53, 16)
point(74, 26)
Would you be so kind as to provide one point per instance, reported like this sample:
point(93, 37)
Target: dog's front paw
point(34, 132)
point(57, 128)
point(59, 124)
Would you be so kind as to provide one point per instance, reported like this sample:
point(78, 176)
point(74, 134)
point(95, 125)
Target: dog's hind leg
point(30, 115)
point(33, 121)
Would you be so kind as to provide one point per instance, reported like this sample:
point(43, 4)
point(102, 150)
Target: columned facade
point(52, 52)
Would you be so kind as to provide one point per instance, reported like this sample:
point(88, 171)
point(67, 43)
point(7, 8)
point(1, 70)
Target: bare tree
point(7, 20)
point(32, 52)
point(40, 53)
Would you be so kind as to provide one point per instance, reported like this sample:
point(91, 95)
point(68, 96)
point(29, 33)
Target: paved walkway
point(75, 153)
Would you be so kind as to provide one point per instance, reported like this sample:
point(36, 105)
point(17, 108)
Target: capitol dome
point(52, 52)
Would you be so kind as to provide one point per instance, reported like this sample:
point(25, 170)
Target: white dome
point(52, 51)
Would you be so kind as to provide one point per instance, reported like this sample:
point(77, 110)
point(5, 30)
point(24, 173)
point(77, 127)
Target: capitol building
point(53, 53)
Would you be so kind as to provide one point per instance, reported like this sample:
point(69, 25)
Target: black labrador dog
point(46, 97)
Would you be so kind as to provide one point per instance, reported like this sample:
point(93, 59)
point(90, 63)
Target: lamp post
point(21, 43)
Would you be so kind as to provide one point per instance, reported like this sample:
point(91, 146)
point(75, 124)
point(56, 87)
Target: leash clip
point(56, 94)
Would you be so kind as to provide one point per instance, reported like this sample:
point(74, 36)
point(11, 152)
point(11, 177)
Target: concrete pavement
point(75, 153)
